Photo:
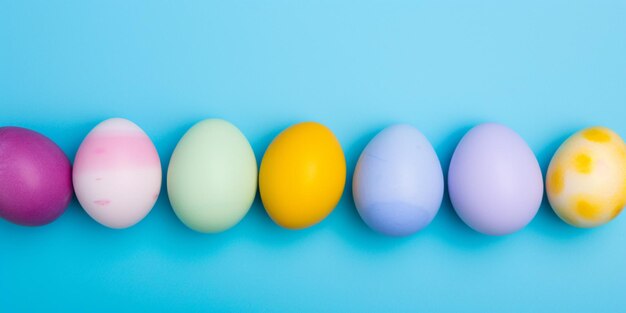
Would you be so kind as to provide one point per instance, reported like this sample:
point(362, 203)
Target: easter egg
point(212, 176)
point(494, 180)
point(117, 173)
point(586, 179)
point(35, 177)
point(398, 182)
point(302, 176)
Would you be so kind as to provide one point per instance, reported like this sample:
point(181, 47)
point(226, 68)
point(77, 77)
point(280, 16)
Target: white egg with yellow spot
point(586, 179)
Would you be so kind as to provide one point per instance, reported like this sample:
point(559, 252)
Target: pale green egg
point(212, 176)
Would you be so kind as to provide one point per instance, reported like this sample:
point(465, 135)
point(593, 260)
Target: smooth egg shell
point(117, 173)
point(586, 179)
point(35, 177)
point(398, 182)
point(495, 182)
point(212, 176)
point(302, 176)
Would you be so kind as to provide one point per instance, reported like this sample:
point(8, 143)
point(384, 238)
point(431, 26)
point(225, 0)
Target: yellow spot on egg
point(583, 163)
point(587, 210)
point(597, 134)
point(556, 181)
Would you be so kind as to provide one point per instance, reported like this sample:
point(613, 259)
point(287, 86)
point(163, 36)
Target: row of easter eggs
point(494, 180)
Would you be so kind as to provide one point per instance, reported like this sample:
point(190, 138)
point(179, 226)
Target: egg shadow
point(174, 238)
point(69, 136)
point(257, 221)
point(75, 216)
point(353, 229)
point(547, 222)
point(447, 225)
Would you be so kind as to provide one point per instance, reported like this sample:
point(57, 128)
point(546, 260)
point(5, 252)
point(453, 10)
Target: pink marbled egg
point(117, 173)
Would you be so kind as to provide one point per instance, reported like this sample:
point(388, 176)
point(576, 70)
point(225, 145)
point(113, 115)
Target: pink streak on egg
point(111, 146)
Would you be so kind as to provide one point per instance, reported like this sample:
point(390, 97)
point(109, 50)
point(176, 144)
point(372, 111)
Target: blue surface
point(545, 68)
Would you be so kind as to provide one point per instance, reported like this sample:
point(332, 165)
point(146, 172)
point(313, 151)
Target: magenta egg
point(35, 177)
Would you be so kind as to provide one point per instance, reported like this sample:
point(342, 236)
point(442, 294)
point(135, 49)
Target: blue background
point(545, 68)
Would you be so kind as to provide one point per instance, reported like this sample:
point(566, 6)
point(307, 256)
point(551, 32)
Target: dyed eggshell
point(302, 176)
point(586, 179)
point(117, 173)
point(398, 182)
point(35, 177)
point(212, 176)
point(495, 182)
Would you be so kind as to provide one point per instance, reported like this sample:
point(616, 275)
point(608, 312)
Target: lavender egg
point(35, 177)
point(398, 182)
point(495, 182)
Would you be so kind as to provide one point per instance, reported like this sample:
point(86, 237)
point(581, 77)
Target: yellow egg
point(586, 180)
point(302, 176)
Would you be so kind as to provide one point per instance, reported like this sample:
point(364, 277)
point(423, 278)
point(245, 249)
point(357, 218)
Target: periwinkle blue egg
point(398, 182)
